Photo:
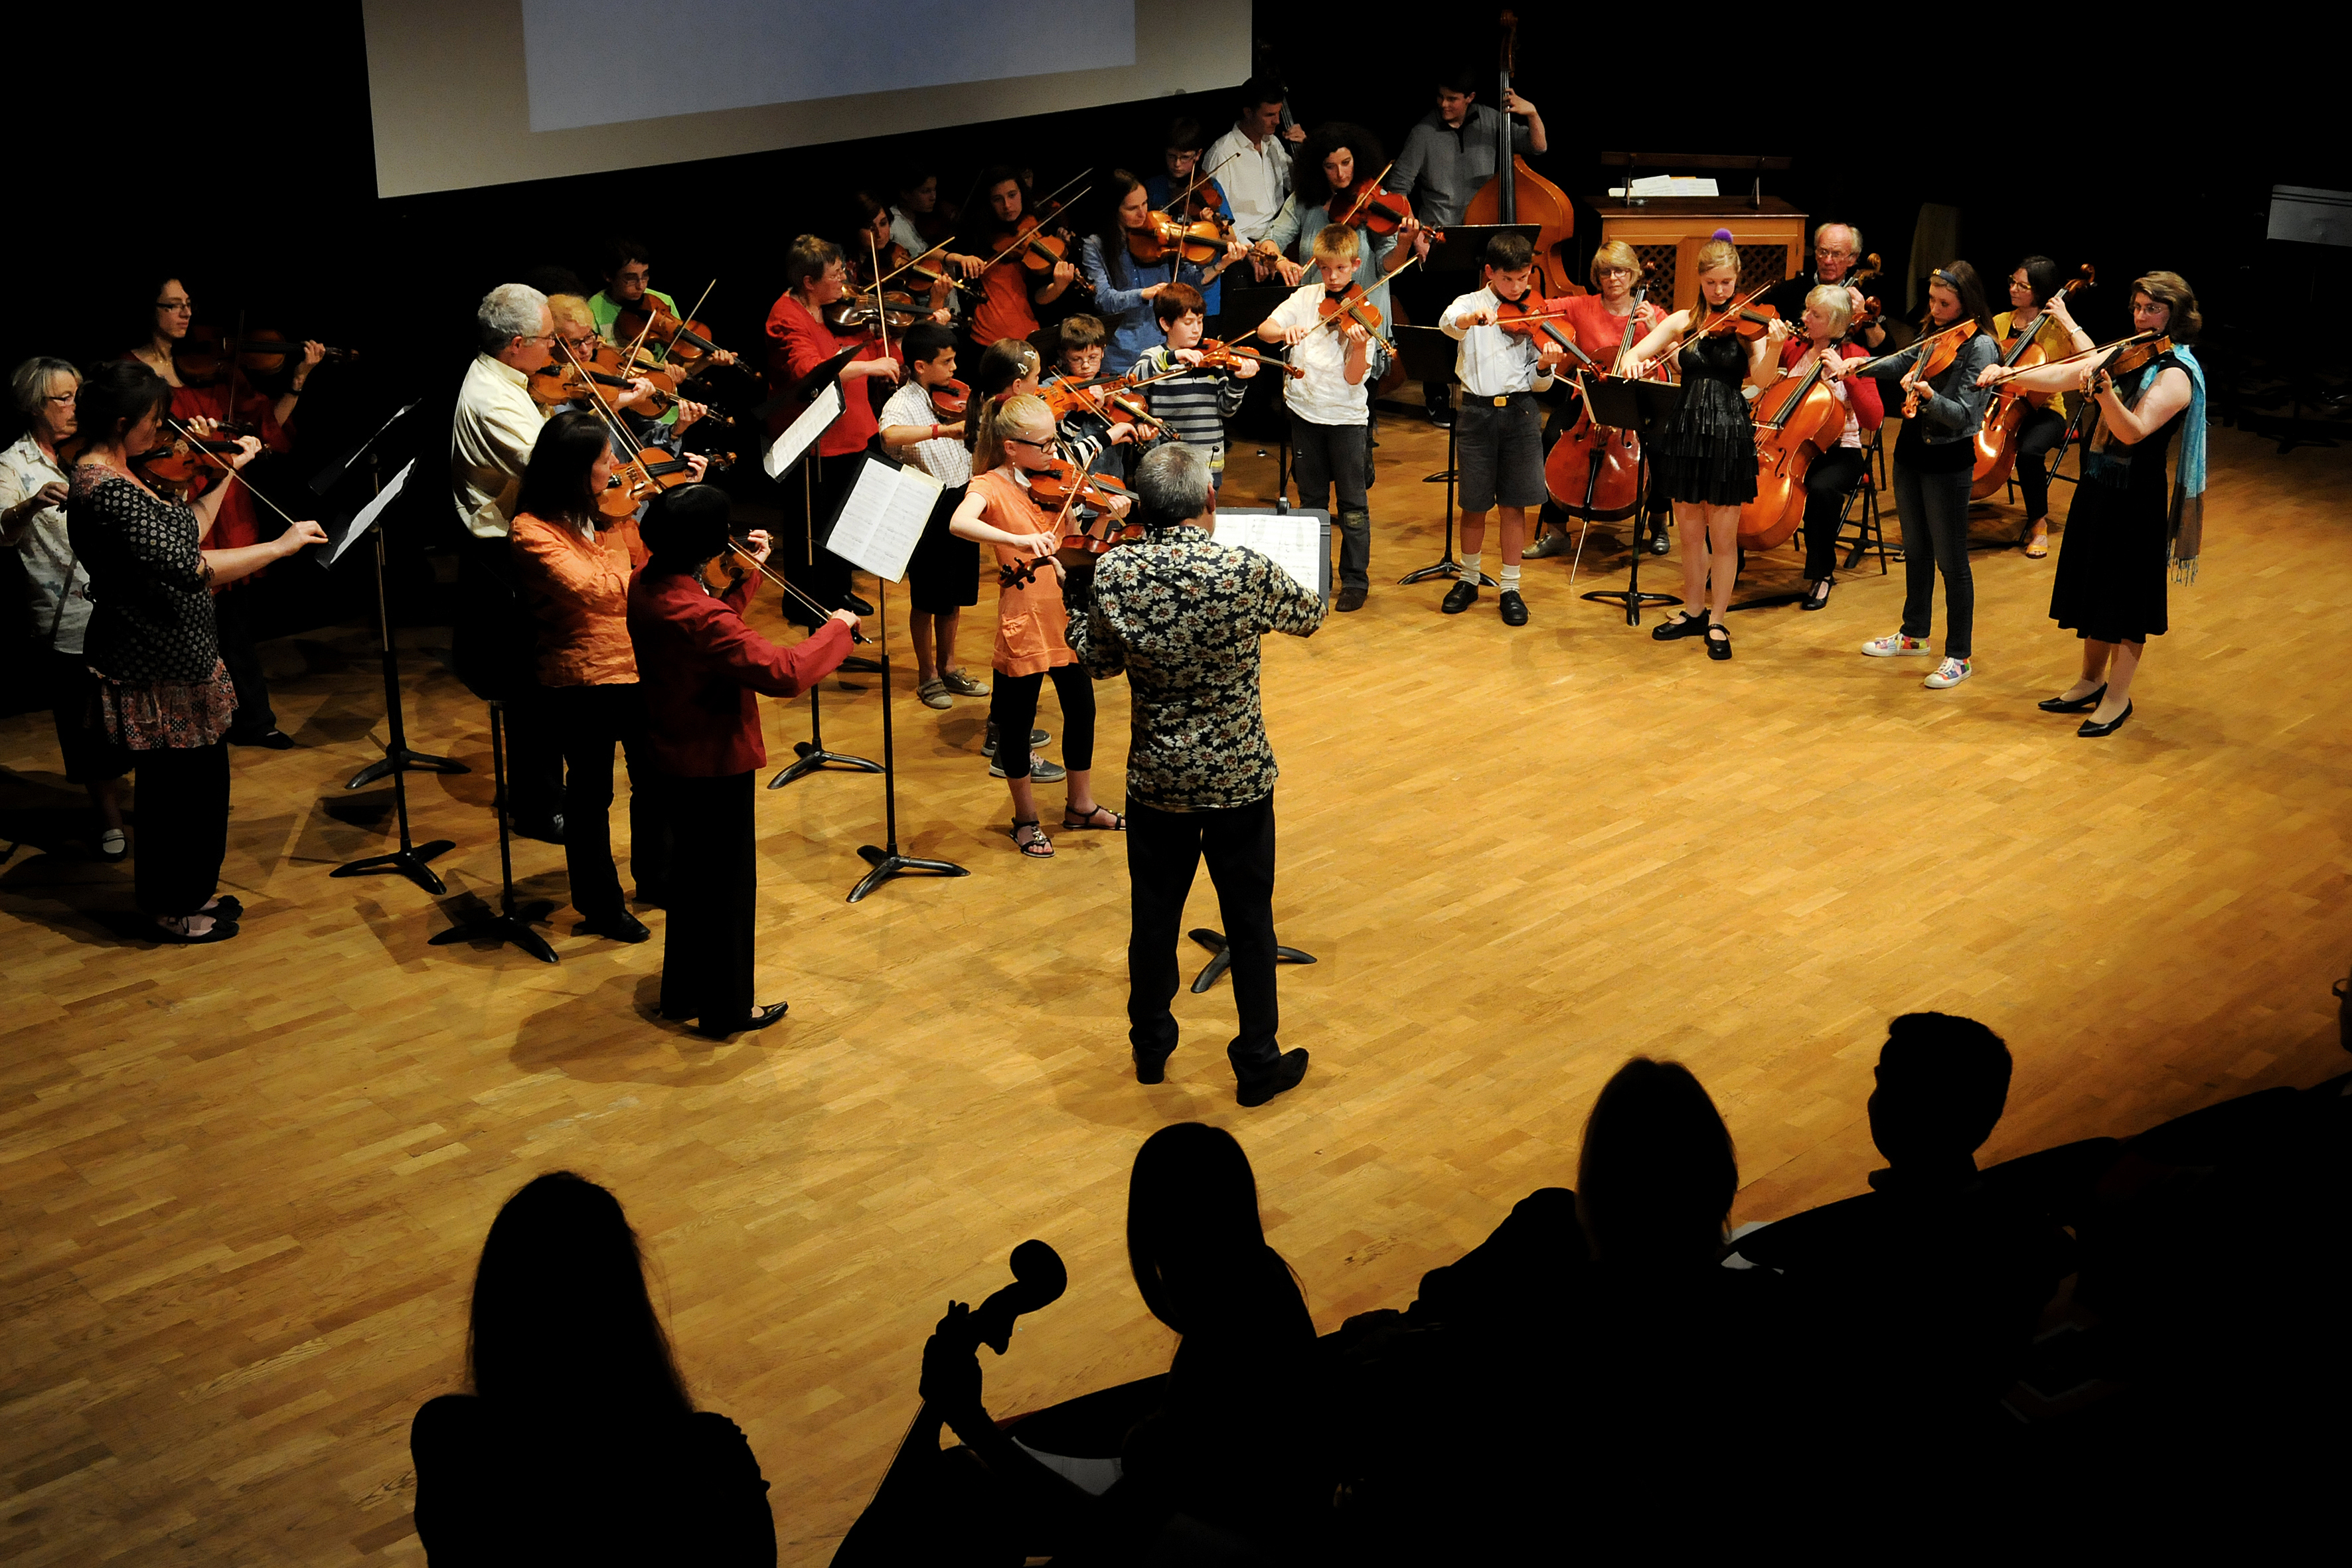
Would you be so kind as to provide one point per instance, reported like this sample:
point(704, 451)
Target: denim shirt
point(1958, 405)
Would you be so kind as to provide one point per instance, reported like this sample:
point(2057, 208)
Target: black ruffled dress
point(1708, 454)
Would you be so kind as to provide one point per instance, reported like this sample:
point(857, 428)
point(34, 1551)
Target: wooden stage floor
point(244, 1187)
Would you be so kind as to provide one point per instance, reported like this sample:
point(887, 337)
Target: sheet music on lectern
point(824, 406)
point(881, 519)
point(1297, 541)
point(358, 526)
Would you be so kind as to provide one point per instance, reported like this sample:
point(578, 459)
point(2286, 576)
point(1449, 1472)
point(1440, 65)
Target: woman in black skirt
point(1706, 459)
point(2127, 524)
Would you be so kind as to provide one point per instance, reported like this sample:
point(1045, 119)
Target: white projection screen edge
point(450, 84)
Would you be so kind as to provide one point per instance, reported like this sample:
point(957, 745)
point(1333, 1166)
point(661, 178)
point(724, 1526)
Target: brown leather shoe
point(1350, 599)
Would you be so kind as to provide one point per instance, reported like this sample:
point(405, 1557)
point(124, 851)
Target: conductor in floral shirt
point(1183, 615)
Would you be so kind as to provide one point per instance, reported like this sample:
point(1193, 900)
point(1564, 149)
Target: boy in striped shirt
point(1194, 407)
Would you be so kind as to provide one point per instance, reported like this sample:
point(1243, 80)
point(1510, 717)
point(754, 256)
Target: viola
point(1366, 206)
point(641, 479)
point(1797, 419)
point(1161, 238)
point(1216, 354)
point(950, 399)
point(1996, 438)
point(1937, 356)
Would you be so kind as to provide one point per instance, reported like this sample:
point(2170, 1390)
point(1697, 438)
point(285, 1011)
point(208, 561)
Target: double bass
point(1518, 195)
point(1996, 438)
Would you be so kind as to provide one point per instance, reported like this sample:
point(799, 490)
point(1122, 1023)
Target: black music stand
point(1428, 354)
point(509, 923)
point(885, 860)
point(1221, 957)
point(1643, 407)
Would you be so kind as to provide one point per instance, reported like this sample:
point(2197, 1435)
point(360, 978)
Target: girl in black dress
point(1706, 459)
point(2125, 523)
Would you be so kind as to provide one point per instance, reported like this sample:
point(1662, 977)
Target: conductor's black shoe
point(275, 739)
point(550, 831)
point(1150, 1067)
point(760, 1019)
point(1288, 1071)
point(1514, 608)
point(856, 606)
point(1460, 597)
point(619, 924)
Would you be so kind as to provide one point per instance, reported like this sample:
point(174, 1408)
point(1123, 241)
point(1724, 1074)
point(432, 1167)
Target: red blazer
point(699, 665)
point(797, 344)
point(1860, 390)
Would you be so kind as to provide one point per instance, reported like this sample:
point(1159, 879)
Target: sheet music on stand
point(825, 406)
point(356, 530)
point(1297, 541)
point(880, 519)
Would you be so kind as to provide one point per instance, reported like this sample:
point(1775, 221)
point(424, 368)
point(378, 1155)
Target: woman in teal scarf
point(2126, 529)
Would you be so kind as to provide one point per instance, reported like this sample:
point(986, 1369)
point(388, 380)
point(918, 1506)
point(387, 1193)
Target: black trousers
point(714, 893)
point(495, 653)
point(1828, 482)
point(1326, 459)
point(2036, 439)
point(1164, 848)
point(1934, 508)
point(588, 722)
point(233, 621)
point(1012, 709)
point(183, 805)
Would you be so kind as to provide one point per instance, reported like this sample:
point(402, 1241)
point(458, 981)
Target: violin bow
point(683, 320)
point(1020, 239)
point(1366, 194)
point(196, 445)
point(881, 310)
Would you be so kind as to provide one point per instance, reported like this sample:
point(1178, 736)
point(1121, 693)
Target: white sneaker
point(1888, 647)
point(1951, 672)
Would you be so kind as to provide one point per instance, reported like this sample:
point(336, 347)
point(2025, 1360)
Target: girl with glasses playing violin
point(1015, 441)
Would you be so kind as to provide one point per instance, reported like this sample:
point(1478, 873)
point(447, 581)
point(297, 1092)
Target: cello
point(1797, 419)
point(1518, 195)
point(1594, 470)
point(1996, 438)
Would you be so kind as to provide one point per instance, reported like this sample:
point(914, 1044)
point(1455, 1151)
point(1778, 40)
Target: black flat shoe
point(550, 831)
point(1718, 642)
point(2090, 731)
point(1460, 597)
point(1682, 625)
point(225, 908)
point(2072, 705)
point(1288, 1070)
point(275, 739)
point(1817, 595)
point(1514, 608)
point(222, 931)
point(1149, 1067)
point(619, 925)
point(760, 1019)
point(856, 606)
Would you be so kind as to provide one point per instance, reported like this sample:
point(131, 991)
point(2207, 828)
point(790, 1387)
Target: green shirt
point(606, 311)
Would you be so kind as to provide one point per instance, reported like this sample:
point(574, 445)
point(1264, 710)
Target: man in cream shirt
point(1251, 163)
point(491, 439)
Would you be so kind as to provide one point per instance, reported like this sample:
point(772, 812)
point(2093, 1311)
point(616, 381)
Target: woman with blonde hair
point(1599, 322)
point(1707, 457)
point(1015, 438)
point(2125, 525)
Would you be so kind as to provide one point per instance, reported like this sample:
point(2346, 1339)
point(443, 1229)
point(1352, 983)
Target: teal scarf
point(2185, 530)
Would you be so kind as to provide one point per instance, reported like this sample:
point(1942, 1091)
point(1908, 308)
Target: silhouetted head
point(1194, 1238)
point(561, 1321)
point(686, 526)
point(1657, 1174)
point(1942, 1082)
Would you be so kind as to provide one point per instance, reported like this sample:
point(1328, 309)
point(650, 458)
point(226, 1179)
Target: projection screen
point(498, 90)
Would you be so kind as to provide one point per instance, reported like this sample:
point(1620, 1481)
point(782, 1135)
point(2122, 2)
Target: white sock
point(1510, 576)
point(1469, 573)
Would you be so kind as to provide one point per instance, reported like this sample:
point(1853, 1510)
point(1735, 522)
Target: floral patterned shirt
point(1183, 615)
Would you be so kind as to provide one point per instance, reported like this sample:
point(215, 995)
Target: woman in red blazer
point(698, 665)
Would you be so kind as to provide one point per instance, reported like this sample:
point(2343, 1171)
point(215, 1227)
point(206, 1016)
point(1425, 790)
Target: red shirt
point(1864, 411)
point(797, 343)
point(698, 665)
point(236, 524)
point(1004, 310)
point(1598, 332)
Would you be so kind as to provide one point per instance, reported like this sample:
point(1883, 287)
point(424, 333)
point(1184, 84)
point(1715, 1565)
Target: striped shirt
point(1195, 406)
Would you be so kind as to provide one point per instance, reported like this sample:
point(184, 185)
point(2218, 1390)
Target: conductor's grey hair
point(506, 312)
point(1172, 481)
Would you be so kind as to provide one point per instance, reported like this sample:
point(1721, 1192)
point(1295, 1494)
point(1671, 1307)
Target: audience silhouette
point(579, 1443)
point(2137, 1330)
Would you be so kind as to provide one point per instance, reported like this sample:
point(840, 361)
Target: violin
point(186, 461)
point(1366, 206)
point(1062, 486)
point(1205, 202)
point(641, 479)
point(1040, 251)
point(1996, 438)
point(599, 379)
point(1521, 318)
point(682, 341)
point(1937, 356)
point(1162, 238)
point(1339, 310)
point(1217, 354)
point(1745, 320)
point(855, 312)
point(205, 353)
point(950, 399)
point(1872, 310)
point(1102, 399)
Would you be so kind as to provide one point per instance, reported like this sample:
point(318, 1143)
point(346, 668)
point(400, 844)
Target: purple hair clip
point(1723, 234)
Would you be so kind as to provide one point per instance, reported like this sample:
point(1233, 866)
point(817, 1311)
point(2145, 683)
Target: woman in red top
point(799, 341)
point(1009, 290)
point(1598, 322)
point(1015, 439)
point(699, 665)
point(1832, 476)
point(575, 578)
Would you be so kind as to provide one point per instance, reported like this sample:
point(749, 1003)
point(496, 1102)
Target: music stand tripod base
point(510, 925)
point(888, 863)
point(1221, 957)
point(400, 759)
point(408, 860)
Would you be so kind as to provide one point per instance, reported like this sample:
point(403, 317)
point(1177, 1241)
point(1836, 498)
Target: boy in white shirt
point(943, 574)
point(1329, 409)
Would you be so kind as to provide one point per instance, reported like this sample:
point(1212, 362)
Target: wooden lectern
point(1666, 231)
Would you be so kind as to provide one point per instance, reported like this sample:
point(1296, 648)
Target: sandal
point(2037, 544)
point(1073, 824)
point(1037, 847)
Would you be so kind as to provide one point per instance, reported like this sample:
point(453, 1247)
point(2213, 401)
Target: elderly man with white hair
point(491, 439)
point(1837, 256)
